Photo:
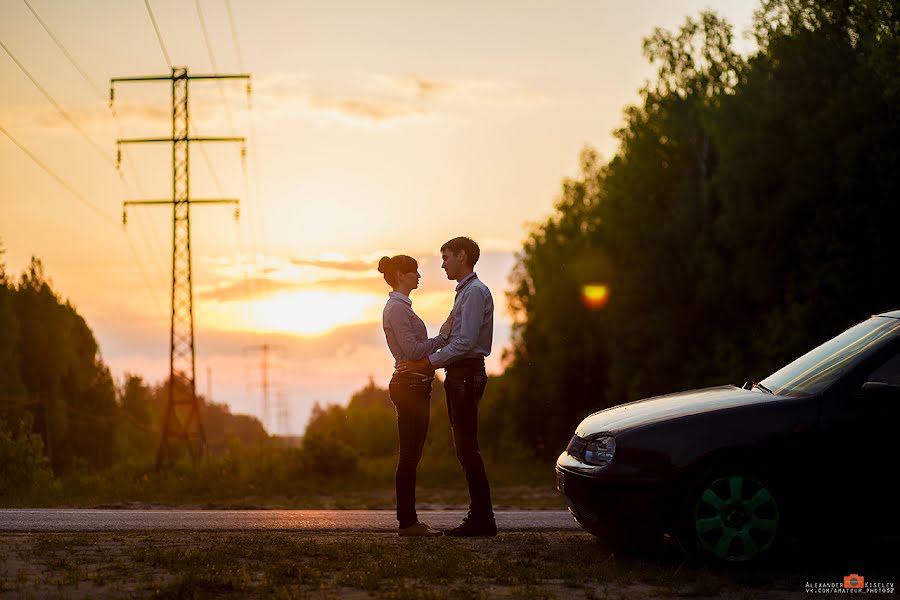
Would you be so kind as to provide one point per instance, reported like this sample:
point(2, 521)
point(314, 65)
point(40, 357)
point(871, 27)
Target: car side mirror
point(880, 389)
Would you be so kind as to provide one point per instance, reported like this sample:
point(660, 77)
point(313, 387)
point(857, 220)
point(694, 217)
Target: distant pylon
point(183, 420)
point(265, 384)
point(283, 413)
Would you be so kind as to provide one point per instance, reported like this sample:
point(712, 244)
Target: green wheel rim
point(736, 518)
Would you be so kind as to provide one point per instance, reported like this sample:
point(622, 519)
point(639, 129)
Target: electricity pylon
point(265, 384)
point(283, 413)
point(183, 421)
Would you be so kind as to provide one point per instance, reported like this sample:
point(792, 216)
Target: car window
point(889, 372)
point(822, 366)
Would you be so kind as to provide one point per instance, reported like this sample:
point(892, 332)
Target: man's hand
point(423, 365)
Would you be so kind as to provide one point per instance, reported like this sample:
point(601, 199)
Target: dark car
point(732, 472)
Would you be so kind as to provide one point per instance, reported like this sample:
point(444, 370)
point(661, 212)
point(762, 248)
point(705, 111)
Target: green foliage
point(363, 436)
point(23, 466)
point(741, 222)
point(326, 456)
point(67, 386)
point(368, 424)
point(224, 428)
point(74, 420)
point(557, 339)
point(140, 416)
point(12, 391)
point(744, 219)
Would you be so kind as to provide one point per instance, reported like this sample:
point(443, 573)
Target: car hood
point(669, 407)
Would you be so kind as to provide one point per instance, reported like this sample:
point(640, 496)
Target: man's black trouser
point(410, 394)
point(464, 384)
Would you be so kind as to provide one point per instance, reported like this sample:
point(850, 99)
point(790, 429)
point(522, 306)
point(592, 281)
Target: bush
point(23, 466)
point(327, 456)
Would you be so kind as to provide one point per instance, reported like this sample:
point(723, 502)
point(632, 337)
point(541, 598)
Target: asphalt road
point(89, 520)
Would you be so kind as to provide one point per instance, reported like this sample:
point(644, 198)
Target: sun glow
point(307, 313)
point(594, 296)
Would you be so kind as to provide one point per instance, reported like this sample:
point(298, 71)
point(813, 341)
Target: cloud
point(135, 336)
point(246, 289)
point(422, 87)
point(366, 111)
point(357, 101)
point(373, 284)
point(339, 265)
point(261, 287)
point(325, 368)
point(367, 100)
point(87, 118)
point(336, 273)
point(378, 99)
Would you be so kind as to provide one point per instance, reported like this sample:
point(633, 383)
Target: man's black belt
point(467, 363)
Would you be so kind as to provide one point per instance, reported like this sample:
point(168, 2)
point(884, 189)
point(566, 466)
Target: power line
point(59, 179)
point(68, 117)
point(94, 86)
point(87, 203)
point(144, 275)
point(165, 52)
point(209, 165)
point(155, 251)
point(59, 108)
point(132, 168)
point(65, 52)
point(156, 238)
point(234, 36)
point(162, 44)
point(253, 150)
point(212, 57)
point(215, 66)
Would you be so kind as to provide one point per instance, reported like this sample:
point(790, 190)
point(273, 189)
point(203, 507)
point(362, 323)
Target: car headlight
point(599, 452)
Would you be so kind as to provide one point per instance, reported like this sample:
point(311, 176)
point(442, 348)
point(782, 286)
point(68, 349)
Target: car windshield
point(822, 366)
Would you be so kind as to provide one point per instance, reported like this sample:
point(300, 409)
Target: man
point(471, 325)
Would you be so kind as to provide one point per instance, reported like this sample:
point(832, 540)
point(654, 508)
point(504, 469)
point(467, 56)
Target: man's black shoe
point(469, 528)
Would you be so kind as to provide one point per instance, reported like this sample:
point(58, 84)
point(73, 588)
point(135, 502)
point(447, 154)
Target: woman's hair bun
point(384, 264)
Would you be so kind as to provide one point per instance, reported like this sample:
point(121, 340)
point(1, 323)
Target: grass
point(337, 496)
point(302, 565)
point(440, 486)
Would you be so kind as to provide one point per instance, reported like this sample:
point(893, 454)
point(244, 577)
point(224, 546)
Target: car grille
point(576, 447)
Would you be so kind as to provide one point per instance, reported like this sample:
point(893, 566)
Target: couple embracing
point(464, 340)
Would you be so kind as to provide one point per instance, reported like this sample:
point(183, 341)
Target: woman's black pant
point(411, 395)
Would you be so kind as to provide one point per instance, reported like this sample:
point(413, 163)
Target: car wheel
point(734, 518)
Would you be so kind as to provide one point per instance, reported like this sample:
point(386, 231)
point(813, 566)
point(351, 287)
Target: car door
point(861, 445)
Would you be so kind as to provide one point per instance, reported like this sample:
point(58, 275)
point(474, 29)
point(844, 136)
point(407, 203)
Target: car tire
point(731, 518)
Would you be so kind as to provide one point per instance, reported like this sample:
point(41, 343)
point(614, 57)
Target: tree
point(741, 221)
point(70, 389)
point(22, 461)
point(13, 404)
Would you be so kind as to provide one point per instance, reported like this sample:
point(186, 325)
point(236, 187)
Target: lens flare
point(594, 296)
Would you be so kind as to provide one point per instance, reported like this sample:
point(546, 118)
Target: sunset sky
point(380, 128)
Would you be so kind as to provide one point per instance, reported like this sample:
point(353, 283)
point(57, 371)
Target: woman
point(410, 392)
